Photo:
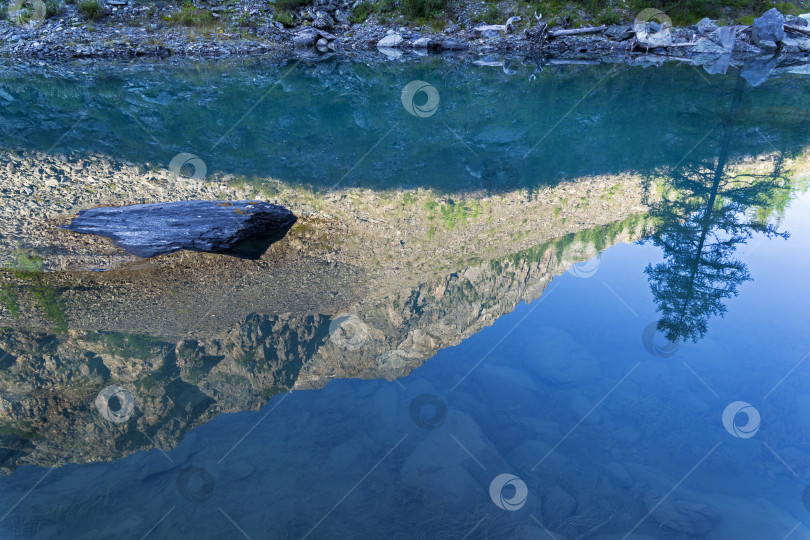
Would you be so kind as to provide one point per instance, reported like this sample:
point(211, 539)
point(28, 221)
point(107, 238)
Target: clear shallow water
point(612, 434)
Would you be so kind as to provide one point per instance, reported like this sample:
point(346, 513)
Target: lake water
point(653, 384)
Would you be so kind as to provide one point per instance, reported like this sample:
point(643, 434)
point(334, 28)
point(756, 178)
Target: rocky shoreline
point(247, 29)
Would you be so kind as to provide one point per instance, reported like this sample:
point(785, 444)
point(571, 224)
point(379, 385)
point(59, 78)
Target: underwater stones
point(619, 474)
point(240, 228)
point(692, 519)
point(562, 360)
point(558, 505)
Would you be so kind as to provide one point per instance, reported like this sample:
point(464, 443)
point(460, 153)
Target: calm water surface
point(658, 390)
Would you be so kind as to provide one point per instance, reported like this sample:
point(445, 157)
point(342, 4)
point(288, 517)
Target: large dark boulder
point(769, 29)
point(240, 228)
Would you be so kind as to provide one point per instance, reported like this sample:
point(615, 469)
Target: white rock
point(390, 41)
point(421, 43)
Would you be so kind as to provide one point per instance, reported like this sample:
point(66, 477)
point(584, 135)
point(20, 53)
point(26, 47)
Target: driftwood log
point(578, 31)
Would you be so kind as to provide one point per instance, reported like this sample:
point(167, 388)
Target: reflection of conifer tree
point(699, 228)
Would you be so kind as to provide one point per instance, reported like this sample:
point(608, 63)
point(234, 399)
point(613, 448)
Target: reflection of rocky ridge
point(51, 381)
point(193, 335)
point(409, 326)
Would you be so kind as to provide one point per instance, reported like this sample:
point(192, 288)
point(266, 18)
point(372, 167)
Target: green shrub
point(423, 9)
point(290, 4)
point(90, 9)
point(245, 20)
point(11, 300)
point(192, 17)
point(361, 12)
point(285, 17)
point(52, 8)
point(609, 17)
point(492, 15)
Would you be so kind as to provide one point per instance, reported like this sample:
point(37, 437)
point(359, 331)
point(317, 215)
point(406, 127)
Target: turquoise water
point(604, 427)
point(314, 122)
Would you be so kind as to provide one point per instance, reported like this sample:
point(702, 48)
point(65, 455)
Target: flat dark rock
point(240, 228)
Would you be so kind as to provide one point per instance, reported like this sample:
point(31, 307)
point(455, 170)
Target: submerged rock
point(239, 228)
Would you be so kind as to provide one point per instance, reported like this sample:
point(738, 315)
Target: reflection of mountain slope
point(409, 326)
point(195, 335)
point(52, 380)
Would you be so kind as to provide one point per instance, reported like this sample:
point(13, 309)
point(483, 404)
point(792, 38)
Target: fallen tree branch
point(798, 29)
point(578, 31)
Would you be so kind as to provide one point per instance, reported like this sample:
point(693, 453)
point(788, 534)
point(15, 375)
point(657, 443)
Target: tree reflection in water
point(705, 213)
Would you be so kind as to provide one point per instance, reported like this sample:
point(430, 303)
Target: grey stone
point(309, 36)
point(706, 25)
point(769, 27)
point(452, 45)
point(147, 230)
point(707, 46)
point(322, 23)
point(306, 37)
point(619, 33)
point(795, 45)
point(725, 36)
point(793, 20)
point(421, 43)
